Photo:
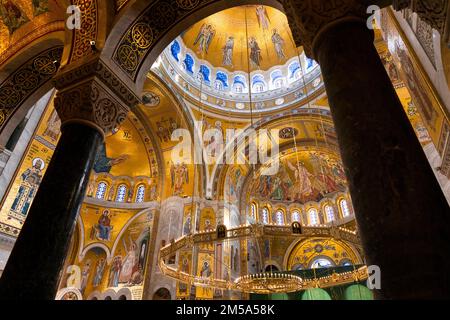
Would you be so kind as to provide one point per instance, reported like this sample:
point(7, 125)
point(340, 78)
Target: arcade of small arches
point(89, 181)
point(318, 214)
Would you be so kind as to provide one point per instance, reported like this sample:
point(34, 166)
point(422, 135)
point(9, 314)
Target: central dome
point(221, 39)
point(241, 60)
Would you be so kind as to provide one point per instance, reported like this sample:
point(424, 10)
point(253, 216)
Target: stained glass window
point(279, 216)
point(101, 190)
point(140, 193)
point(296, 216)
point(121, 193)
point(313, 217)
point(265, 216)
point(344, 208)
point(329, 212)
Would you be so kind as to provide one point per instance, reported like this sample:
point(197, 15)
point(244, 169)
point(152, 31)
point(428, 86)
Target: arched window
point(278, 83)
point(265, 216)
point(218, 85)
point(344, 208)
point(313, 217)
point(258, 87)
point(329, 213)
point(121, 193)
point(140, 193)
point(253, 211)
point(279, 218)
point(101, 190)
point(238, 88)
point(295, 216)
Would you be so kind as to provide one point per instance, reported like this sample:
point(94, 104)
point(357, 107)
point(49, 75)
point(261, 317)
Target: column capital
point(92, 94)
point(309, 19)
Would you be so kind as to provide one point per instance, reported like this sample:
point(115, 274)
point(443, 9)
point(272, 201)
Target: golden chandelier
point(266, 282)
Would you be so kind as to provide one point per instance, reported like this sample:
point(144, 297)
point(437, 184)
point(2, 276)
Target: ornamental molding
point(24, 81)
point(99, 70)
point(435, 13)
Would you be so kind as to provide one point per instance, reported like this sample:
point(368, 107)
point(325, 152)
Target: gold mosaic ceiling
point(22, 21)
point(241, 23)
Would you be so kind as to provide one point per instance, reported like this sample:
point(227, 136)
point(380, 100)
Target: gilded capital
point(309, 19)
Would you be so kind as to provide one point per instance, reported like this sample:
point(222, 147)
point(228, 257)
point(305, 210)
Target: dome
point(241, 60)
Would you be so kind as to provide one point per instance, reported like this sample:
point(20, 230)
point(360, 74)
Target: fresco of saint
point(13, 17)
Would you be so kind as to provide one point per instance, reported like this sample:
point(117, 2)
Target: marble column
point(88, 110)
point(402, 214)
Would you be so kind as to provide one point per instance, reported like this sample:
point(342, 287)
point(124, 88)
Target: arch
point(98, 245)
point(20, 89)
point(123, 230)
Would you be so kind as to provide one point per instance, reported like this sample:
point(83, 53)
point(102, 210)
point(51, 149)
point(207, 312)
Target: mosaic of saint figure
point(206, 270)
point(130, 262)
point(204, 38)
point(182, 288)
point(13, 17)
point(31, 179)
point(104, 164)
point(255, 53)
point(179, 174)
point(53, 128)
point(99, 270)
point(228, 52)
point(40, 7)
point(187, 226)
point(278, 43)
point(102, 230)
point(85, 275)
point(114, 272)
point(302, 183)
point(263, 17)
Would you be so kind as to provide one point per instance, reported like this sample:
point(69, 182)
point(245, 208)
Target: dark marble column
point(402, 214)
point(91, 103)
point(33, 269)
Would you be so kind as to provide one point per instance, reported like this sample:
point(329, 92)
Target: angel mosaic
point(13, 17)
point(204, 38)
point(179, 174)
point(263, 17)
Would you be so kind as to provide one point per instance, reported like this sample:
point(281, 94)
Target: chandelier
point(265, 282)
